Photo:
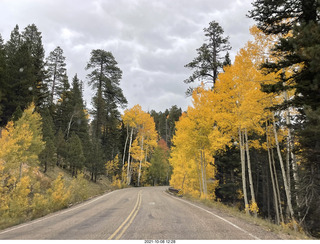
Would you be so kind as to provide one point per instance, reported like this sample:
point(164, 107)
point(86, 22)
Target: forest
point(54, 150)
point(250, 139)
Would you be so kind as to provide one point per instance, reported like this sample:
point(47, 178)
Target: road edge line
point(217, 216)
point(55, 214)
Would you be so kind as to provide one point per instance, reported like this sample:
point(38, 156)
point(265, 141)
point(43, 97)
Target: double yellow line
point(124, 226)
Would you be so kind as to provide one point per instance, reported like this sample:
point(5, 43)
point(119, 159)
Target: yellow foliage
point(59, 195)
point(253, 208)
point(79, 189)
point(19, 200)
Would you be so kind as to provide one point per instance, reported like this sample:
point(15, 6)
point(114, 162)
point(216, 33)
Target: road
point(146, 213)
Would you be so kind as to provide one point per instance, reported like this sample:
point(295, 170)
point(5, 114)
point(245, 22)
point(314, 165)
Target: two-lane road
point(137, 213)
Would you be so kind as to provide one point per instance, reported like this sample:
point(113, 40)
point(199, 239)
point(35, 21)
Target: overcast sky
point(151, 40)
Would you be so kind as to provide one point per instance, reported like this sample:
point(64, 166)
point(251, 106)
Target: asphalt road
point(146, 213)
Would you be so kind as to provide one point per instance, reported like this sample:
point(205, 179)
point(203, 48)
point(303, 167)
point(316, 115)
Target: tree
point(19, 77)
point(159, 171)
point(56, 73)
point(142, 124)
point(21, 143)
point(209, 63)
point(105, 78)
point(297, 25)
point(48, 155)
point(75, 155)
point(33, 39)
point(3, 89)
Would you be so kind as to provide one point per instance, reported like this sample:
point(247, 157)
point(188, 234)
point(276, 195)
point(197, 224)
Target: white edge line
point(217, 216)
point(56, 214)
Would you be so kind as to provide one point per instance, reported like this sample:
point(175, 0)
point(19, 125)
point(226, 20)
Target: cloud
point(151, 40)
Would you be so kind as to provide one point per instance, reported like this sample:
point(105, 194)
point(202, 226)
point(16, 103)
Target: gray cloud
point(151, 40)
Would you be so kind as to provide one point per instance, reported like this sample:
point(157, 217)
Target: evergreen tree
point(56, 73)
point(75, 154)
point(3, 88)
point(298, 50)
point(19, 78)
point(209, 63)
point(61, 147)
point(160, 171)
point(95, 162)
point(165, 122)
point(48, 155)
point(33, 39)
point(105, 78)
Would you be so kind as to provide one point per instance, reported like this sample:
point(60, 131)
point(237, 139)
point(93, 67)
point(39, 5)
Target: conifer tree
point(3, 89)
point(56, 74)
point(209, 62)
point(75, 154)
point(297, 25)
point(33, 39)
point(19, 78)
point(105, 78)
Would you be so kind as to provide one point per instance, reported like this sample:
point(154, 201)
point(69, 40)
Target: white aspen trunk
point(275, 197)
point(141, 153)
point(277, 185)
point(124, 152)
point(205, 174)
point(290, 146)
point(285, 182)
point(202, 175)
point(253, 199)
point(128, 168)
point(199, 174)
point(243, 172)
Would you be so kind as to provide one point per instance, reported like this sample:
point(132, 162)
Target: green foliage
point(56, 74)
point(297, 25)
point(75, 156)
point(160, 170)
point(209, 63)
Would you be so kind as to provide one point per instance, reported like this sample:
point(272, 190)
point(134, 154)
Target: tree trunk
point(243, 172)
point(285, 182)
point(139, 175)
point(128, 168)
point(253, 199)
point(277, 185)
point(275, 197)
point(124, 153)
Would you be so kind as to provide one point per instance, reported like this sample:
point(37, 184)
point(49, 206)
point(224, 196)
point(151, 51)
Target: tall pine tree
point(209, 61)
point(105, 78)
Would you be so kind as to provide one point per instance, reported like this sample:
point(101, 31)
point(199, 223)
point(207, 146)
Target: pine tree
point(33, 39)
point(3, 89)
point(19, 78)
point(56, 74)
point(209, 63)
point(48, 155)
point(75, 154)
point(105, 77)
point(160, 170)
point(297, 25)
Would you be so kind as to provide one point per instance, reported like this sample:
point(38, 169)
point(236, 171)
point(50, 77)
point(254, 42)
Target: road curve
point(146, 213)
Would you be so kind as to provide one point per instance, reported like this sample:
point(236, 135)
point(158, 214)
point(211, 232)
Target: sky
point(151, 40)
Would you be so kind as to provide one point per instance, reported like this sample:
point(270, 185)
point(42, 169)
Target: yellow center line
point(128, 220)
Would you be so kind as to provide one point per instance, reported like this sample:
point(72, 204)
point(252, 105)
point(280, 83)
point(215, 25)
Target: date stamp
point(159, 241)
